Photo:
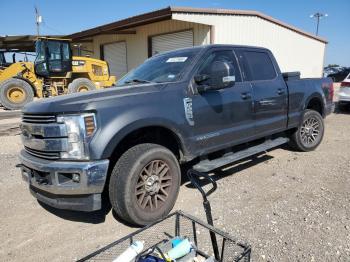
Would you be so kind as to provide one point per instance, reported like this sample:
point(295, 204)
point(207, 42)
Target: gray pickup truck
point(206, 106)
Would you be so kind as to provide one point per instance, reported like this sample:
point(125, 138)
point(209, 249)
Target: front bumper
point(53, 183)
point(342, 97)
point(344, 94)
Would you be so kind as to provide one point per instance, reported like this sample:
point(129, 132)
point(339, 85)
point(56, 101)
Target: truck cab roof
point(206, 47)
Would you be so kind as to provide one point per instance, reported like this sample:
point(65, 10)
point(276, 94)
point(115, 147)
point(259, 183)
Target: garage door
point(167, 42)
point(115, 55)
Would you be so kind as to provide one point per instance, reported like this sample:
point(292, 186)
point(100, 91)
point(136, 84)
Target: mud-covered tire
point(81, 85)
point(136, 171)
point(15, 93)
point(310, 133)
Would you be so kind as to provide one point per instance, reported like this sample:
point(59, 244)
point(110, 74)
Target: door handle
point(267, 102)
point(246, 96)
point(280, 91)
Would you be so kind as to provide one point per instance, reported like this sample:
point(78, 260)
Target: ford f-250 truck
point(208, 105)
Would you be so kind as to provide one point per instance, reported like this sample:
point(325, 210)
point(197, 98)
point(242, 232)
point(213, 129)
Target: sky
point(70, 16)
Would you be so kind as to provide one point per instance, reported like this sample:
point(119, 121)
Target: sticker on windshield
point(179, 59)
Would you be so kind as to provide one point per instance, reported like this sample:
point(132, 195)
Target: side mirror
point(221, 75)
point(200, 78)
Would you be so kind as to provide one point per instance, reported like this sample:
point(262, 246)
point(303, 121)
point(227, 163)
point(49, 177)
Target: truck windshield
point(161, 68)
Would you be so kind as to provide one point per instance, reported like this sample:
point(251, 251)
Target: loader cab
point(53, 57)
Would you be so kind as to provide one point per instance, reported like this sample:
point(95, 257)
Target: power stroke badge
point(188, 111)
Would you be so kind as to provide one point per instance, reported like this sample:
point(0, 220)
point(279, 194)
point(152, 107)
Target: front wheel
point(310, 133)
point(81, 85)
point(144, 184)
point(15, 93)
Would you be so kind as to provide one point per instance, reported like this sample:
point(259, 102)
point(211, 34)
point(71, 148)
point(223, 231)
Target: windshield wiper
point(136, 80)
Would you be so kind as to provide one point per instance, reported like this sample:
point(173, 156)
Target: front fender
point(108, 138)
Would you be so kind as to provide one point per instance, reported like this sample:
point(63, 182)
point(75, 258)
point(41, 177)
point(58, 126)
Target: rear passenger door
point(269, 91)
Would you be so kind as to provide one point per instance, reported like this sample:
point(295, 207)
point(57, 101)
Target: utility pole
point(38, 21)
point(318, 16)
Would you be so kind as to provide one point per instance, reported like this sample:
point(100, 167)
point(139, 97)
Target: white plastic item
point(131, 252)
point(180, 250)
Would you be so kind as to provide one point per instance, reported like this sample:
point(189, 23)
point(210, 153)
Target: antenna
point(38, 21)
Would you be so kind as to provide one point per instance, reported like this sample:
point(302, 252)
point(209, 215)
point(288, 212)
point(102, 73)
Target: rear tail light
point(345, 84)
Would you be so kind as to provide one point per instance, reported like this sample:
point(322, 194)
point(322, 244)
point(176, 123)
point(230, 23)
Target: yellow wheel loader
point(54, 72)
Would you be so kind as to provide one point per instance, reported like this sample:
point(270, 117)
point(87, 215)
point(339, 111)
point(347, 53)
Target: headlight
point(80, 129)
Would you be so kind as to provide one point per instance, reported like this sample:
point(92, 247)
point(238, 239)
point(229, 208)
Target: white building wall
point(293, 51)
point(137, 44)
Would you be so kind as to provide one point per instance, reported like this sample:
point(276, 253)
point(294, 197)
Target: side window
point(66, 51)
point(222, 56)
point(260, 65)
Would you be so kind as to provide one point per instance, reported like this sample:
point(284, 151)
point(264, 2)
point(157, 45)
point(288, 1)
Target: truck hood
point(91, 100)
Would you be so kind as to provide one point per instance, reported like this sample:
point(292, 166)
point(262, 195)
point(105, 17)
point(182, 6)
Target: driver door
point(222, 117)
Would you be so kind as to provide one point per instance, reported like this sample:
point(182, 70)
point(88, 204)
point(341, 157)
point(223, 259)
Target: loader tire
point(144, 184)
point(15, 93)
point(81, 85)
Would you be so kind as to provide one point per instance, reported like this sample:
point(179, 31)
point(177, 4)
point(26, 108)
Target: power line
point(52, 28)
point(40, 21)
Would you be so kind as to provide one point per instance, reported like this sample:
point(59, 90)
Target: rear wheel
point(310, 133)
point(144, 184)
point(15, 93)
point(81, 85)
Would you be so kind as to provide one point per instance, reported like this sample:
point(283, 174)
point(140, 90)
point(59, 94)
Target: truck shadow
point(95, 217)
point(99, 216)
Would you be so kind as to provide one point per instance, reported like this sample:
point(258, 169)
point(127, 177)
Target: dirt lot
point(289, 206)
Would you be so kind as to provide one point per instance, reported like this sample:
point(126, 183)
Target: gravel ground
point(289, 206)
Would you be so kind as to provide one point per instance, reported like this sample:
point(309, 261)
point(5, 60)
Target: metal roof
point(22, 43)
point(166, 14)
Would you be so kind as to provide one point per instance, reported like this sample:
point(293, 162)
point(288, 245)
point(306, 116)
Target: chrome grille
point(43, 154)
point(38, 119)
point(38, 134)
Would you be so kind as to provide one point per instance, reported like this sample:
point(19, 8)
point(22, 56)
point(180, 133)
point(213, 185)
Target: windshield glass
point(54, 50)
point(40, 51)
point(161, 68)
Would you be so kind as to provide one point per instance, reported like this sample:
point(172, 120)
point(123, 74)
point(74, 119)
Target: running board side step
point(209, 165)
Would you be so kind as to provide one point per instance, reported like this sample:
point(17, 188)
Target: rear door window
point(259, 66)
